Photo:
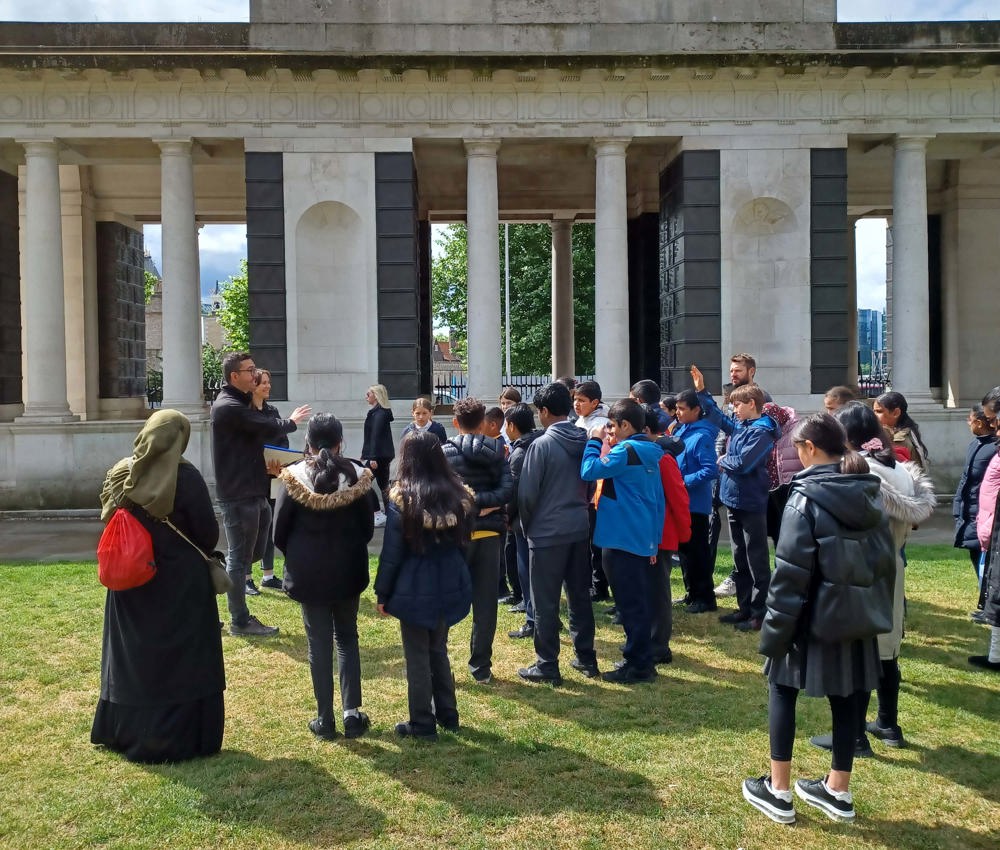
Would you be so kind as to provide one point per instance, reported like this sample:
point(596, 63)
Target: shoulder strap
point(183, 536)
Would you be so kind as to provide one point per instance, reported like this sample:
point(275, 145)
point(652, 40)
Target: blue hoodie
point(699, 463)
point(630, 510)
point(745, 482)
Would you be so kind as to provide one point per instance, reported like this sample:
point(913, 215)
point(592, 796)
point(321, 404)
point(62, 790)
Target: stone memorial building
point(724, 150)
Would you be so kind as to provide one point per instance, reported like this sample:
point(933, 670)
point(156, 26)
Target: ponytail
point(325, 463)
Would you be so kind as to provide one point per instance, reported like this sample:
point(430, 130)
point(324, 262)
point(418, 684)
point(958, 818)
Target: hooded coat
point(516, 460)
point(699, 463)
point(427, 587)
point(481, 463)
point(377, 443)
point(324, 536)
point(551, 497)
point(831, 591)
point(965, 505)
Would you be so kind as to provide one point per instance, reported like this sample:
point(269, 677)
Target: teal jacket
point(630, 510)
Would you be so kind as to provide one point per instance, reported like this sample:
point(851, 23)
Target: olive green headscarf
point(149, 477)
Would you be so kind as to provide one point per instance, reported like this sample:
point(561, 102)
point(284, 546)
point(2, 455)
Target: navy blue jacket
point(436, 428)
point(421, 588)
point(745, 482)
point(630, 510)
point(699, 463)
point(481, 463)
point(378, 434)
point(965, 506)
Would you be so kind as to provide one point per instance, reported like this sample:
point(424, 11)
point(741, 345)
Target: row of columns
point(45, 396)
point(611, 342)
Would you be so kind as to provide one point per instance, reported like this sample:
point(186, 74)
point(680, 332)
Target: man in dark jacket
point(520, 428)
point(552, 502)
point(239, 432)
point(481, 463)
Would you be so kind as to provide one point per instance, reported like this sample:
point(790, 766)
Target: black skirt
point(155, 734)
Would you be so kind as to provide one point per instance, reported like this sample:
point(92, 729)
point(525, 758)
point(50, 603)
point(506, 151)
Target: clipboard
point(284, 456)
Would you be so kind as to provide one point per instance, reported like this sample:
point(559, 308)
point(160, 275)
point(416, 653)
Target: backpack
point(124, 553)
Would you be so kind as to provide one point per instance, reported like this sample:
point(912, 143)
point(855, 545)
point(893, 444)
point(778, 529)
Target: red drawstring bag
point(124, 553)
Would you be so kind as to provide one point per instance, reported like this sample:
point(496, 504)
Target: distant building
point(871, 337)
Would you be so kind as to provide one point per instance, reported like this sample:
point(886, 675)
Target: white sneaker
point(727, 587)
point(380, 519)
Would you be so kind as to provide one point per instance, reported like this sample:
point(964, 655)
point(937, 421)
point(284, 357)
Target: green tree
point(211, 365)
point(150, 281)
point(531, 293)
point(235, 313)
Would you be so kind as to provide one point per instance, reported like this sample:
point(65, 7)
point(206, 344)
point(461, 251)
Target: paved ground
point(47, 537)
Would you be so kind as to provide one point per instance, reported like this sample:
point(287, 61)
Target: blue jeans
point(247, 522)
point(521, 542)
point(629, 575)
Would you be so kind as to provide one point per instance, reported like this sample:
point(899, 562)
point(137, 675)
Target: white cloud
point(917, 10)
point(90, 11)
point(869, 250)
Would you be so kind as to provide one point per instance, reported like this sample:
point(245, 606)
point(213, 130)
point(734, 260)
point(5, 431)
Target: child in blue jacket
point(629, 526)
point(743, 489)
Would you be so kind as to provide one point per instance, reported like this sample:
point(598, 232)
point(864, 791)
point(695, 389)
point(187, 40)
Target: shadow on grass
point(906, 833)
point(976, 771)
point(485, 776)
point(292, 797)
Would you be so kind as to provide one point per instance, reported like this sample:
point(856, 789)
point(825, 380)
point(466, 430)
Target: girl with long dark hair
point(423, 579)
point(891, 410)
point(830, 595)
point(323, 522)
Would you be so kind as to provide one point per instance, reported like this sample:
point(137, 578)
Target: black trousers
point(325, 626)
point(430, 685)
point(629, 574)
point(599, 579)
point(551, 567)
point(753, 561)
point(697, 558)
point(483, 558)
point(661, 610)
point(382, 479)
point(781, 725)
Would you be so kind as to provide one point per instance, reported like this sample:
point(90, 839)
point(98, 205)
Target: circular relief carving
point(372, 106)
point(895, 104)
point(722, 104)
point(238, 106)
point(328, 105)
point(981, 101)
point(808, 104)
point(283, 106)
point(678, 104)
point(764, 217)
point(938, 102)
point(101, 106)
point(146, 107)
point(460, 106)
point(416, 107)
point(591, 105)
point(765, 104)
point(56, 106)
point(635, 105)
point(192, 105)
point(548, 105)
point(11, 106)
point(503, 106)
point(852, 103)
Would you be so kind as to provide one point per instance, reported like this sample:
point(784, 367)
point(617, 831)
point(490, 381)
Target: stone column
point(45, 398)
point(482, 202)
point(910, 324)
point(611, 337)
point(852, 301)
point(563, 343)
point(181, 287)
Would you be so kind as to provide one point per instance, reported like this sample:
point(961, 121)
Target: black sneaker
point(449, 724)
point(838, 806)
point(252, 588)
point(534, 674)
point(483, 677)
point(408, 730)
point(321, 729)
point(588, 670)
point(701, 607)
point(253, 628)
point(526, 631)
point(751, 625)
point(734, 617)
point(891, 736)
point(626, 674)
point(665, 657)
point(862, 749)
point(506, 599)
point(984, 662)
point(518, 608)
point(777, 805)
point(272, 582)
point(355, 727)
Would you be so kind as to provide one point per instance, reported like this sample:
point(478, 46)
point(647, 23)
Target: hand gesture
point(381, 609)
point(300, 413)
point(598, 433)
point(698, 378)
point(273, 467)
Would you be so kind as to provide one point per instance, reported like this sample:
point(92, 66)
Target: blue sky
point(222, 246)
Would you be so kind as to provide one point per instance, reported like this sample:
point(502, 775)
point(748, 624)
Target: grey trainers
point(777, 805)
point(836, 805)
point(727, 587)
point(253, 628)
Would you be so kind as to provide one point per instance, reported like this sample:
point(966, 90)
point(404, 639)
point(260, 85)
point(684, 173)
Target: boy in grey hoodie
point(552, 503)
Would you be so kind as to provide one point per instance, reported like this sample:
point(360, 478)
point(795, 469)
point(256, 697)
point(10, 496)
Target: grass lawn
point(586, 765)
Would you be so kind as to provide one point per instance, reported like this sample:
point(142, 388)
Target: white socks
point(994, 656)
point(785, 795)
point(843, 796)
point(350, 712)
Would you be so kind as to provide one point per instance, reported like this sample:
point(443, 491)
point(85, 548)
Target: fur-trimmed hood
point(300, 488)
point(435, 522)
point(909, 501)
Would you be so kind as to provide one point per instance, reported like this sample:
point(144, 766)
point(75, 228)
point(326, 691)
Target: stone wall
point(121, 311)
point(10, 294)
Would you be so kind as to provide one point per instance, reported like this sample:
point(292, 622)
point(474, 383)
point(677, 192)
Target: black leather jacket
point(481, 463)
point(835, 563)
